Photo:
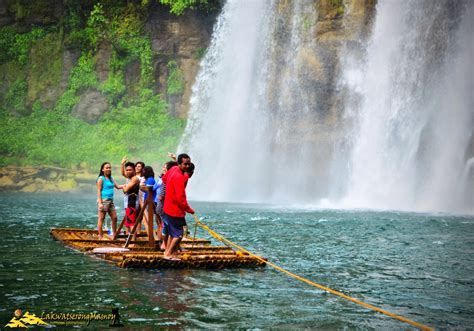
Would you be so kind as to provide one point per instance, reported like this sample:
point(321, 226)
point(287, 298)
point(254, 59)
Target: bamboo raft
point(197, 253)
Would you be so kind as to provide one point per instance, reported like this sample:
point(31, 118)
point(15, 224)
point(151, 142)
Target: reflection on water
point(416, 265)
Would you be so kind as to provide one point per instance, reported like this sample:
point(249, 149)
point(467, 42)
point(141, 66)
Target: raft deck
point(198, 253)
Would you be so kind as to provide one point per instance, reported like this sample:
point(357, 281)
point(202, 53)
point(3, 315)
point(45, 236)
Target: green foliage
point(45, 62)
point(16, 96)
point(138, 47)
point(16, 46)
point(7, 39)
point(23, 42)
point(97, 19)
point(83, 74)
point(179, 6)
point(199, 53)
point(338, 5)
point(144, 130)
point(66, 102)
point(146, 68)
point(114, 86)
point(137, 124)
point(38, 11)
point(175, 79)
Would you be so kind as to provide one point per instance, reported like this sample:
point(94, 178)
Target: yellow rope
point(307, 281)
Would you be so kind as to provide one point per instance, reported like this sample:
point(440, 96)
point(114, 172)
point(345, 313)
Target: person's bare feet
point(171, 258)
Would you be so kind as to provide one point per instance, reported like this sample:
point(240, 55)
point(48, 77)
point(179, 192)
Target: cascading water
point(415, 117)
point(260, 131)
point(247, 129)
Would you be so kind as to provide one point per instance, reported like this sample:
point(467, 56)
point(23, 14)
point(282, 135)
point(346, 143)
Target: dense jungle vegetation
point(36, 102)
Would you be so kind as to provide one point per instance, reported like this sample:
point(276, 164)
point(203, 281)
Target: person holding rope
point(160, 201)
point(176, 205)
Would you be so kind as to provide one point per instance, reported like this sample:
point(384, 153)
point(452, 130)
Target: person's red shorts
point(131, 216)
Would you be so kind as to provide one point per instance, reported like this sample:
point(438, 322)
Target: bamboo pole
point(135, 226)
point(119, 228)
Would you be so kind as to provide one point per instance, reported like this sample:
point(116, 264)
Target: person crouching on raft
point(105, 197)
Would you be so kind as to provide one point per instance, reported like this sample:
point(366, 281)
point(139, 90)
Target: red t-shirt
point(176, 204)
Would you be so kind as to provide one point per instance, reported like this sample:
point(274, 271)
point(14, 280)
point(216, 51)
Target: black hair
point(183, 156)
point(148, 172)
point(101, 172)
point(129, 164)
point(191, 168)
point(140, 162)
point(170, 164)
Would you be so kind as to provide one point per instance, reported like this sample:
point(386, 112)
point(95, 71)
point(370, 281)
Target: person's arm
point(122, 166)
point(99, 191)
point(117, 186)
point(181, 196)
point(131, 184)
point(161, 195)
point(172, 156)
point(143, 187)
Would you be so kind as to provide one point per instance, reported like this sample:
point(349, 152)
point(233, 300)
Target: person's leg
point(159, 227)
point(164, 243)
point(100, 220)
point(176, 234)
point(144, 222)
point(165, 232)
point(170, 251)
point(113, 216)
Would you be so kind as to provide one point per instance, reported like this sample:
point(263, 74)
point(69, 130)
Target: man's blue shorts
point(174, 226)
point(165, 230)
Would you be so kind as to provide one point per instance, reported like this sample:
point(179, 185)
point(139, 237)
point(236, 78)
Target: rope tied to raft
point(229, 243)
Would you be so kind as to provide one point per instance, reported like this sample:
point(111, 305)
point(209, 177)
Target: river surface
point(420, 266)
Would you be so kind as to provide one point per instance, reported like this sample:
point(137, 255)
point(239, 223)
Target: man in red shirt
point(176, 205)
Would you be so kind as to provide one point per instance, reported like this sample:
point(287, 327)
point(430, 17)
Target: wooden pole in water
point(150, 206)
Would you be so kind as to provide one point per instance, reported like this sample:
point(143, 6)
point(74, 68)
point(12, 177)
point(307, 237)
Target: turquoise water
point(420, 266)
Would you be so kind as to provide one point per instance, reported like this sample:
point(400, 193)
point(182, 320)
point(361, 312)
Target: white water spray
point(257, 130)
point(416, 116)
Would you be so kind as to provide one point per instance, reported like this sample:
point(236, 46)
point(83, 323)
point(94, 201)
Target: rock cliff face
point(181, 39)
point(325, 32)
point(40, 74)
point(336, 26)
point(184, 38)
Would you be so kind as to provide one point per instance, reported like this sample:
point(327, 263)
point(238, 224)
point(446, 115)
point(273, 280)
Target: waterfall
point(250, 105)
point(414, 119)
point(262, 128)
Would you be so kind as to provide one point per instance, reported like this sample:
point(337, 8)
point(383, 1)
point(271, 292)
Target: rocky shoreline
point(45, 179)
